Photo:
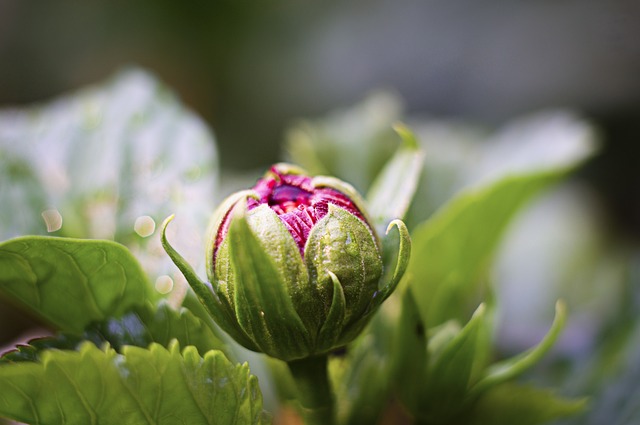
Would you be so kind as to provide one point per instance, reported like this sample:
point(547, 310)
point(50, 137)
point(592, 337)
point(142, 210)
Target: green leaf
point(451, 371)
point(410, 358)
point(342, 244)
point(391, 193)
point(509, 404)
point(436, 393)
point(139, 386)
point(71, 282)
point(362, 378)
point(204, 292)
point(511, 368)
point(395, 260)
point(332, 327)
point(461, 155)
point(453, 250)
point(31, 351)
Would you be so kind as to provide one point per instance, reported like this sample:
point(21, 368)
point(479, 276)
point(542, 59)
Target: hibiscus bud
point(295, 267)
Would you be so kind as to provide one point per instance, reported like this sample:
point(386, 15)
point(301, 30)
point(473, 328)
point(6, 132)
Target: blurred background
point(251, 69)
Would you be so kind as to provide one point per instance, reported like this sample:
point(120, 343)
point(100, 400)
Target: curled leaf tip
point(408, 138)
point(480, 310)
point(394, 223)
point(167, 220)
point(561, 308)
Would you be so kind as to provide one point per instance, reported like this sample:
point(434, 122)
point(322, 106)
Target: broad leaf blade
point(141, 386)
point(462, 155)
point(453, 250)
point(72, 282)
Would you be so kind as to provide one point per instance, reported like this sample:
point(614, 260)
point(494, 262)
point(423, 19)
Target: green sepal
point(351, 193)
point(263, 306)
point(205, 293)
point(332, 327)
point(390, 195)
point(214, 226)
point(402, 258)
point(509, 369)
point(277, 241)
point(452, 250)
point(287, 168)
point(342, 244)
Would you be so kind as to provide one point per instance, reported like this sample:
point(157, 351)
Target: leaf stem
point(315, 394)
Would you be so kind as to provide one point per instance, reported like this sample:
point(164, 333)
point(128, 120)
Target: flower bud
point(295, 267)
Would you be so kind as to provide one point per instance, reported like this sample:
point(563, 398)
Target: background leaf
point(139, 386)
point(391, 193)
point(109, 162)
point(453, 250)
point(362, 376)
point(510, 404)
point(353, 144)
point(461, 155)
point(70, 282)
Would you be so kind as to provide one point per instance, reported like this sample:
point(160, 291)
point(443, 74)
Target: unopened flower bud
point(295, 267)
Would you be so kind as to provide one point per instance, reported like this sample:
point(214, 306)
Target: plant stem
point(315, 394)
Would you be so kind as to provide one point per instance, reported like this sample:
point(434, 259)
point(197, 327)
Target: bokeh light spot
point(52, 219)
point(164, 284)
point(144, 226)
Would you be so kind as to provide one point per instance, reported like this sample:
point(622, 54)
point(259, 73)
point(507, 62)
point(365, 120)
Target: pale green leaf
point(391, 193)
point(462, 154)
point(140, 386)
point(109, 161)
point(72, 282)
point(453, 250)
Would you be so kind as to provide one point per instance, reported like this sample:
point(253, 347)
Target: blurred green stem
point(314, 389)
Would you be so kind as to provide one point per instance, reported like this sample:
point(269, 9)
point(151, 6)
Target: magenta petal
point(298, 204)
